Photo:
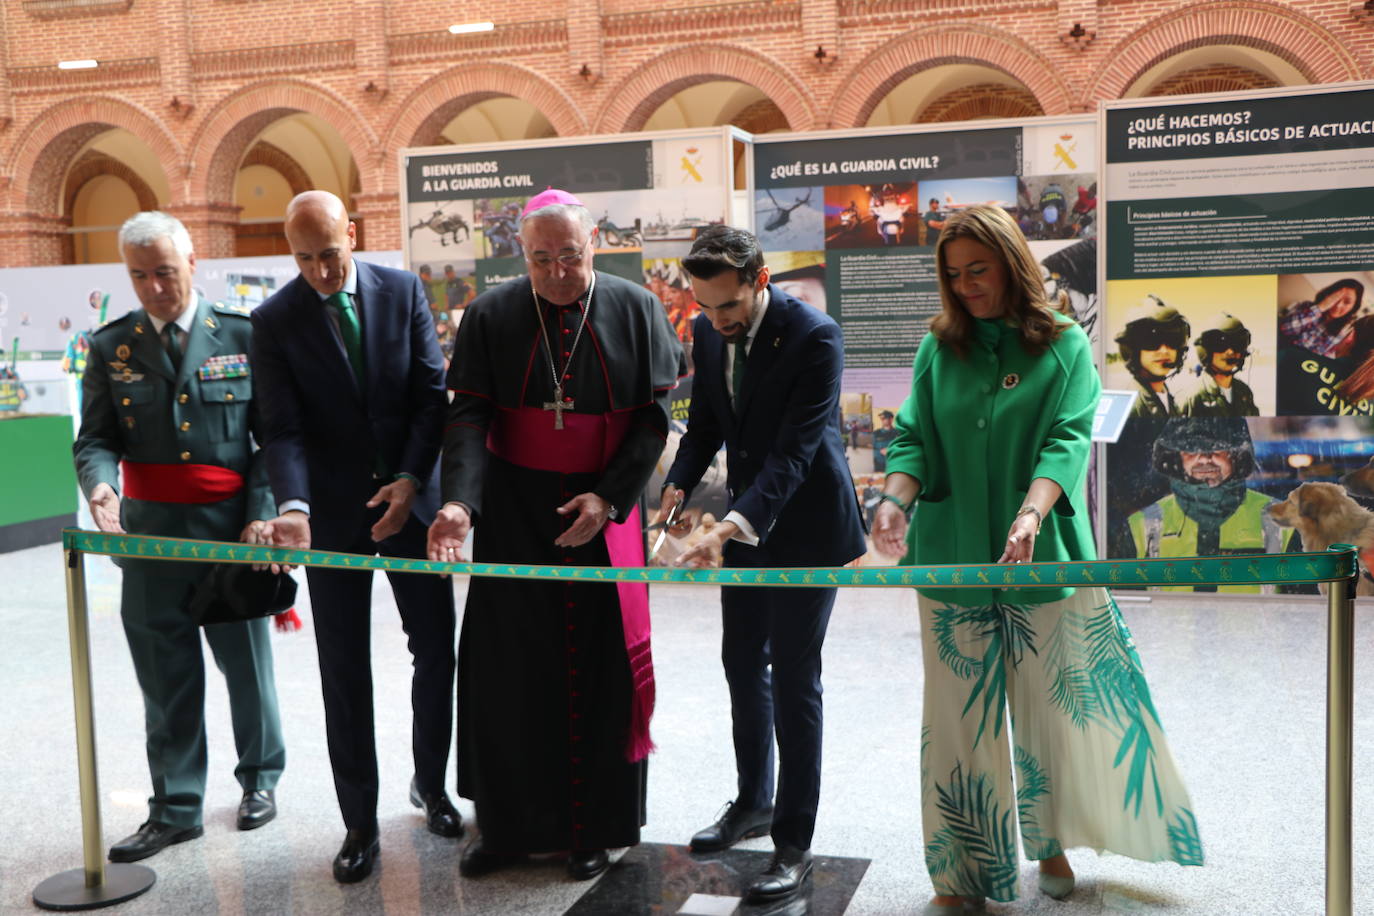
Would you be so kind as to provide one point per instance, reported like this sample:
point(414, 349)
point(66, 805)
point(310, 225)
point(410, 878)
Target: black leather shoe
point(440, 815)
point(152, 837)
point(783, 877)
point(257, 808)
point(734, 824)
point(586, 864)
point(477, 861)
point(356, 857)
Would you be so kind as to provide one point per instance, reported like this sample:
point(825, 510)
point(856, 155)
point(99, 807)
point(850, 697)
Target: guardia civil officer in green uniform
point(166, 448)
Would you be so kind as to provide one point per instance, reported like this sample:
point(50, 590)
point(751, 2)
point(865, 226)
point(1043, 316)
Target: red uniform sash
point(179, 483)
point(526, 437)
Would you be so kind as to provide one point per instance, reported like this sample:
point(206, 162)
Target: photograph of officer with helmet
point(1152, 344)
point(1190, 347)
point(1210, 511)
point(1194, 346)
point(1222, 347)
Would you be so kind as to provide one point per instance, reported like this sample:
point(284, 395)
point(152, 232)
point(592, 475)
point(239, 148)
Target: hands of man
point(592, 512)
point(448, 532)
point(672, 497)
point(291, 530)
point(709, 552)
point(257, 532)
point(398, 495)
point(889, 530)
point(105, 509)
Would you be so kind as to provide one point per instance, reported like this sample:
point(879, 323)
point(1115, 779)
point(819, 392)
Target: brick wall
point(198, 80)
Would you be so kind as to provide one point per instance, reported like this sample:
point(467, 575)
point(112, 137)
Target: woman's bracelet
point(906, 509)
point(1028, 509)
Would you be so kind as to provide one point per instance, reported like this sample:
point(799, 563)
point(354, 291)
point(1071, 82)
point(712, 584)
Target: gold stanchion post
point(1340, 703)
point(96, 884)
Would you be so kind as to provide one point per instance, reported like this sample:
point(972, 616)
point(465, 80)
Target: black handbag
point(236, 591)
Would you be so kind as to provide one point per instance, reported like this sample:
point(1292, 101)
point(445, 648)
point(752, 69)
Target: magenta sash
point(526, 437)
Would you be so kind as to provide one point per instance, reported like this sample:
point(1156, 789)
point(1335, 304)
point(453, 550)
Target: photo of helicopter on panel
point(790, 219)
point(441, 230)
point(1057, 206)
point(871, 215)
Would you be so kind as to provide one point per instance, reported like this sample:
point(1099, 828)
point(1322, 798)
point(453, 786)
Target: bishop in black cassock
point(560, 386)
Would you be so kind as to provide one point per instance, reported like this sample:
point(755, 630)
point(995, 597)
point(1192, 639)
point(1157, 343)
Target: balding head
point(322, 238)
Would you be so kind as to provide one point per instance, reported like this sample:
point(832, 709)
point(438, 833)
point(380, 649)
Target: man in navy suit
point(351, 383)
point(767, 385)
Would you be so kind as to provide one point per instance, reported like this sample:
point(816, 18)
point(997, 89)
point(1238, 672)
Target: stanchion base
point(68, 891)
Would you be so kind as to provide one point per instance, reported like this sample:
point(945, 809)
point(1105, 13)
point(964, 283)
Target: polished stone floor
point(1240, 686)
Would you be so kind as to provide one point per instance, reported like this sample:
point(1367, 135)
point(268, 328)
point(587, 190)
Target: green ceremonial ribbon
point(1326, 566)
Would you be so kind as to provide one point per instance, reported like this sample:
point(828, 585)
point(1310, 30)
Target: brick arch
point(45, 151)
point(231, 127)
point(93, 165)
point(1213, 78)
point(640, 94)
point(760, 117)
point(1287, 33)
point(872, 78)
point(981, 100)
point(439, 99)
point(280, 161)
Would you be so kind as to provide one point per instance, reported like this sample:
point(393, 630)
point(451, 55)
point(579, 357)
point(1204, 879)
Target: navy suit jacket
point(785, 466)
point(325, 438)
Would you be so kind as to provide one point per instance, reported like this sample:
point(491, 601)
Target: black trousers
point(342, 604)
point(771, 649)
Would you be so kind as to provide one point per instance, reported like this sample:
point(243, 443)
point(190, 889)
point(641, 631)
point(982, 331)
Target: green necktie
point(737, 372)
point(173, 346)
point(352, 335)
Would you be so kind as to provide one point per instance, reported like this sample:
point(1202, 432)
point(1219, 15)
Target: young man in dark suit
point(767, 386)
point(352, 387)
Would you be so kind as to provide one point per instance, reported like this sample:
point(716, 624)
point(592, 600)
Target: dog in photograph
point(1324, 514)
point(1359, 483)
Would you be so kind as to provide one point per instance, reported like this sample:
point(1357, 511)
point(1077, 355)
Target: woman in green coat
point(994, 440)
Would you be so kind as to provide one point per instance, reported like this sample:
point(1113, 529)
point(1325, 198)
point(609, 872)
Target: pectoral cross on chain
point(558, 405)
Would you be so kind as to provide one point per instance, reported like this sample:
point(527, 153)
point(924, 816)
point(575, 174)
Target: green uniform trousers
point(165, 644)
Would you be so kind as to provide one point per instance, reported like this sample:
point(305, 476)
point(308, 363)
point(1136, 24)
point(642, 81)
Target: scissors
point(674, 514)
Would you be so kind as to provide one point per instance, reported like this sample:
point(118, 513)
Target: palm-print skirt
point(1083, 761)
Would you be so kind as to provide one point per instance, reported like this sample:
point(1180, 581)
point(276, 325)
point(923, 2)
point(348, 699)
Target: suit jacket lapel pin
point(1011, 380)
point(777, 342)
